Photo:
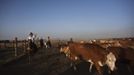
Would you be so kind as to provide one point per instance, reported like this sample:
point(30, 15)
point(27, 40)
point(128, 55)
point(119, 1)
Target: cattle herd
point(98, 56)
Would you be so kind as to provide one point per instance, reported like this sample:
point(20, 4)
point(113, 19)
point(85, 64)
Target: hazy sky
point(84, 19)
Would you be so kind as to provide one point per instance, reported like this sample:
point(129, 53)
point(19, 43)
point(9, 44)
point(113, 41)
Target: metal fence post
point(5, 44)
point(24, 45)
point(16, 44)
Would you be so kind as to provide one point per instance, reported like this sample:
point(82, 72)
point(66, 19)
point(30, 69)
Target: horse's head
point(110, 61)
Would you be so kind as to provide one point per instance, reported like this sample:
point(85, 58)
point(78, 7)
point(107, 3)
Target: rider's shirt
point(31, 38)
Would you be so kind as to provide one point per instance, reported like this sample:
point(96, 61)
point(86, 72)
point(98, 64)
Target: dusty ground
point(45, 61)
point(51, 62)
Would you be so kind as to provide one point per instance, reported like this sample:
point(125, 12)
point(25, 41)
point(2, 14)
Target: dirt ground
point(51, 62)
point(44, 62)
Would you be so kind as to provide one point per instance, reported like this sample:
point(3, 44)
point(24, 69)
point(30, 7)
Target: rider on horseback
point(31, 39)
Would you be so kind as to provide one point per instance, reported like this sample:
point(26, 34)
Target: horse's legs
point(29, 57)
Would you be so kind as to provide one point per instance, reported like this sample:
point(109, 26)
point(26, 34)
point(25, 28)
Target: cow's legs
point(91, 65)
point(73, 59)
point(98, 68)
point(76, 58)
point(73, 65)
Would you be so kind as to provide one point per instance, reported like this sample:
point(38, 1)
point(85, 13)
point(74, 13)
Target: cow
point(123, 54)
point(92, 53)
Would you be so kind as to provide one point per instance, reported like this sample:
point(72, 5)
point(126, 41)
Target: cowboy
point(49, 42)
point(31, 37)
point(41, 43)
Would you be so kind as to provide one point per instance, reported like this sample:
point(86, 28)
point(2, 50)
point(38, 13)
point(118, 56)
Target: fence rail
point(12, 49)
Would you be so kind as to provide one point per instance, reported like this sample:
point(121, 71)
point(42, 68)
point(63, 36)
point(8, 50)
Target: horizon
point(65, 19)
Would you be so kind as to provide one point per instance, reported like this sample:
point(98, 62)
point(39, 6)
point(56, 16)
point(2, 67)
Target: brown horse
point(32, 47)
point(31, 50)
point(92, 53)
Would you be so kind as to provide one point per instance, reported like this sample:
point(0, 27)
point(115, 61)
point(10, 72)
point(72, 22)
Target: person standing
point(41, 43)
point(49, 42)
point(70, 41)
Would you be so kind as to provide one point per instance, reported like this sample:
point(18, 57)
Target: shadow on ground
point(83, 69)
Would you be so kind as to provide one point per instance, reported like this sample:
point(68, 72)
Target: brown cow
point(123, 53)
point(124, 56)
point(92, 53)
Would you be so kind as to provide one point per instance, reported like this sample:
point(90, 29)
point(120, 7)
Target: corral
point(48, 61)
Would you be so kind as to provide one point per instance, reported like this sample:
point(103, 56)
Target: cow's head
point(110, 61)
point(64, 48)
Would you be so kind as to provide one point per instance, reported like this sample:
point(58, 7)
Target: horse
point(41, 43)
point(31, 50)
point(92, 53)
point(32, 47)
point(48, 44)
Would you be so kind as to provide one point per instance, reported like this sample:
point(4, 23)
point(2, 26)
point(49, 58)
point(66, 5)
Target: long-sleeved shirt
point(31, 38)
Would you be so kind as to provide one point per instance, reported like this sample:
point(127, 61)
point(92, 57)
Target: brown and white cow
point(123, 53)
point(92, 53)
